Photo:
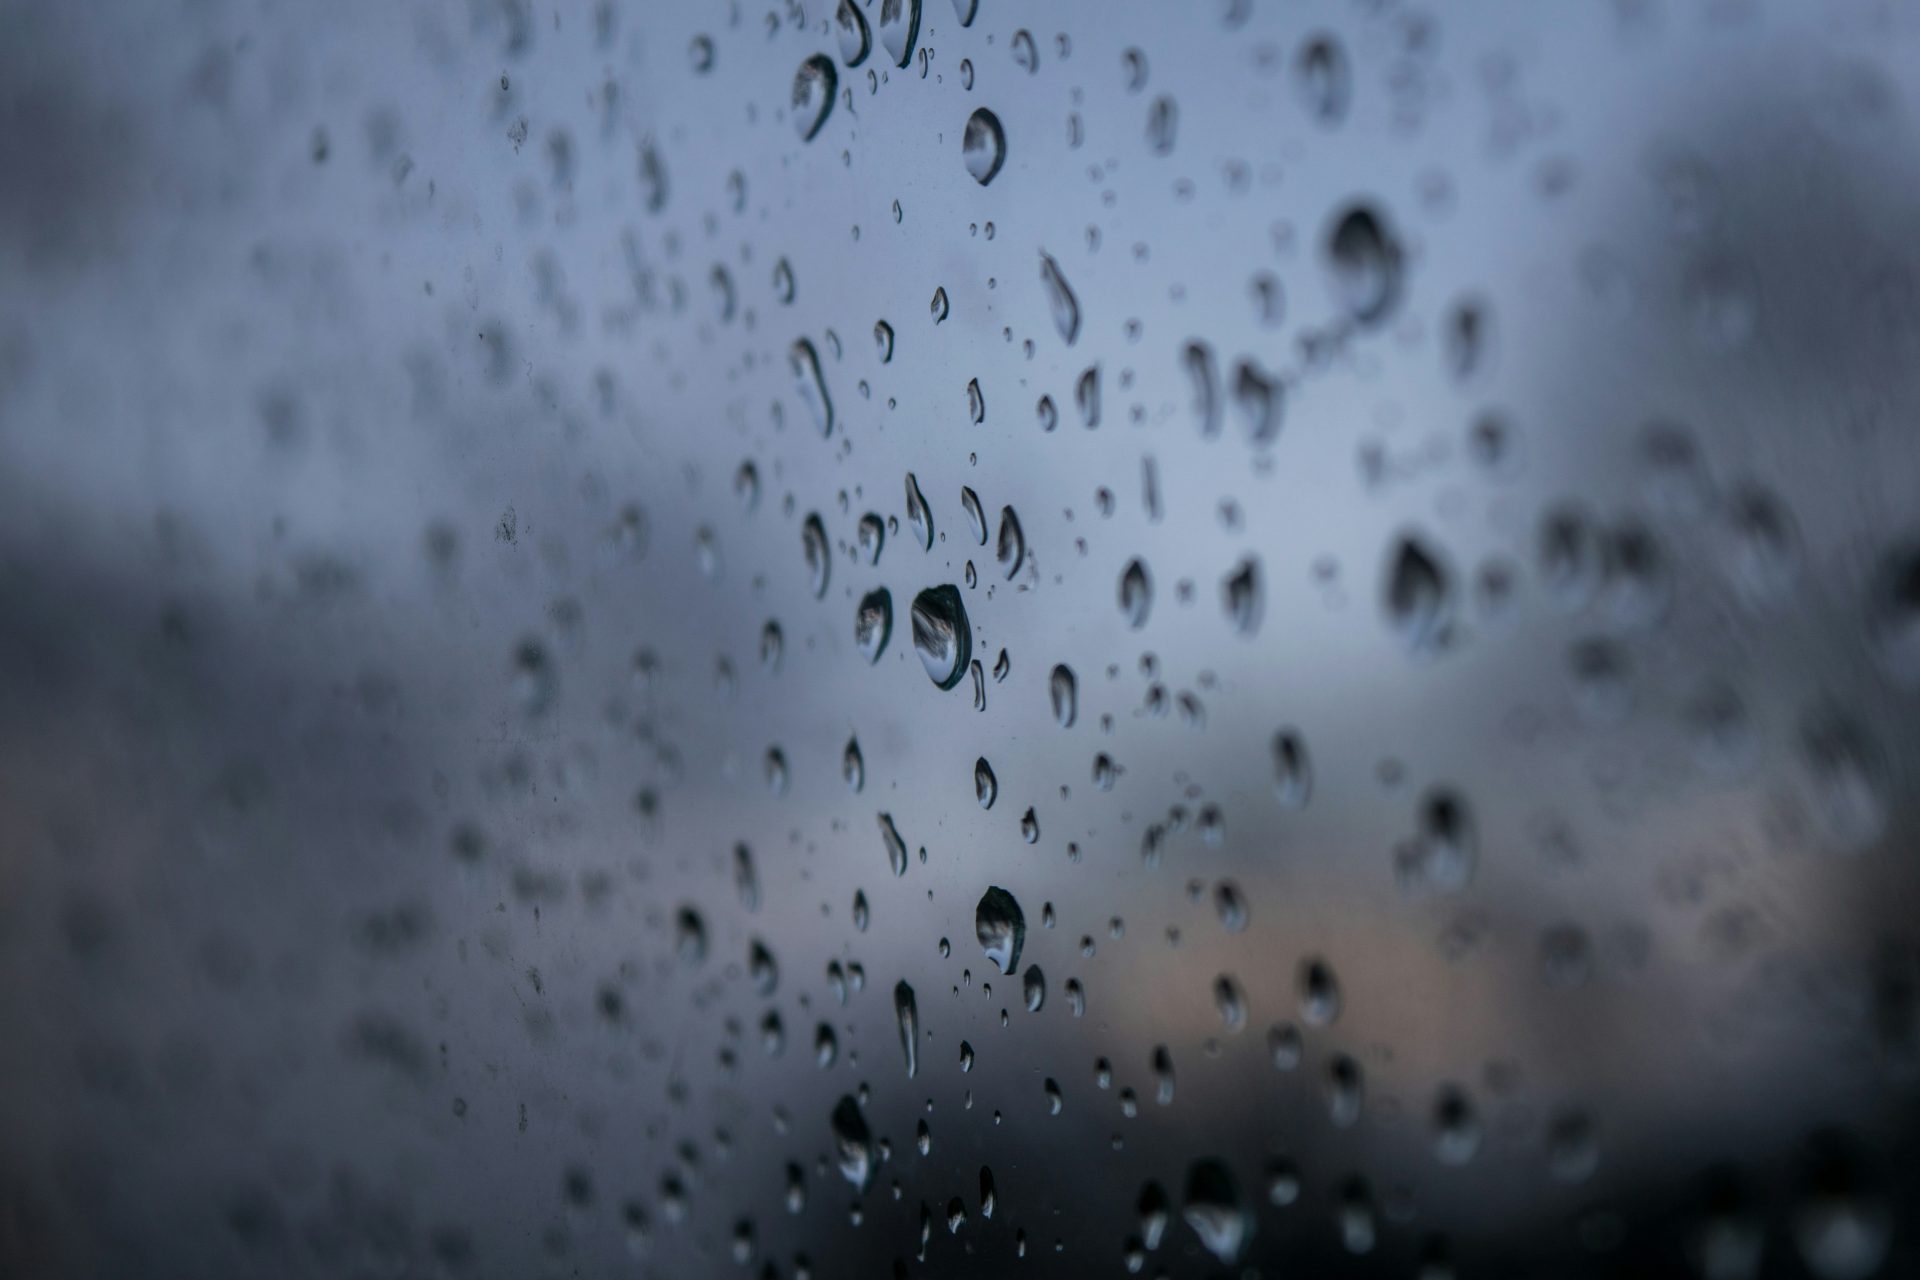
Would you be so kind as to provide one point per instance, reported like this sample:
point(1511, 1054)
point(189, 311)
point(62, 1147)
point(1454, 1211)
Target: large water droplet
point(983, 146)
point(976, 518)
point(1001, 928)
point(941, 635)
point(870, 536)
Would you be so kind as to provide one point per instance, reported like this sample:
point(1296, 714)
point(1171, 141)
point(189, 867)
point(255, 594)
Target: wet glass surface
point(941, 637)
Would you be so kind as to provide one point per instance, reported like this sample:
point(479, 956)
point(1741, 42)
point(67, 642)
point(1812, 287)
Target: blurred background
point(953, 638)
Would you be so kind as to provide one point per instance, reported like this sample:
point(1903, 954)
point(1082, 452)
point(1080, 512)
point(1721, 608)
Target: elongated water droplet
point(853, 766)
point(1203, 373)
point(1048, 413)
point(976, 401)
point(1441, 856)
point(813, 542)
point(811, 384)
point(1325, 78)
point(873, 624)
point(1136, 593)
point(1261, 399)
point(1010, 551)
point(907, 1013)
point(1163, 120)
point(1292, 772)
point(976, 518)
point(1319, 992)
point(1418, 597)
point(941, 635)
point(1060, 299)
point(813, 89)
point(896, 847)
point(1029, 827)
point(1063, 692)
point(1243, 597)
point(883, 340)
point(983, 146)
point(939, 304)
point(919, 515)
point(1086, 396)
point(1001, 928)
point(1231, 1002)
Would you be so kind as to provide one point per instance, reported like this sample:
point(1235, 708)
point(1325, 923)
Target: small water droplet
point(1366, 263)
point(1063, 692)
point(873, 623)
point(896, 847)
point(1060, 299)
point(811, 384)
point(1136, 593)
point(986, 788)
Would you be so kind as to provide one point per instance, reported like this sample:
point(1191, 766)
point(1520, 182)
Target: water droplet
point(861, 912)
point(761, 968)
point(1319, 993)
point(1048, 413)
point(870, 536)
point(811, 384)
point(1060, 299)
point(976, 403)
point(1345, 1090)
point(855, 40)
point(966, 1057)
point(813, 89)
point(1292, 772)
point(1086, 396)
point(813, 542)
point(535, 682)
point(941, 635)
point(1366, 263)
point(986, 789)
point(1231, 1001)
point(1010, 551)
point(899, 29)
point(939, 305)
point(1026, 55)
point(873, 623)
point(855, 1143)
point(919, 515)
point(1063, 692)
point(1030, 827)
point(983, 146)
point(1325, 79)
point(896, 847)
point(1001, 928)
point(1204, 375)
point(772, 644)
point(1261, 399)
point(1242, 595)
point(1456, 1128)
point(700, 54)
point(907, 1013)
point(964, 10)
point(1033, 988)
point(1163, 120)
point(689, 936)
point(1418, 597)
point(1136, 593)
point(883, 340)
point(976, 518)
point(1214, 1210)
point(1441, 856)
